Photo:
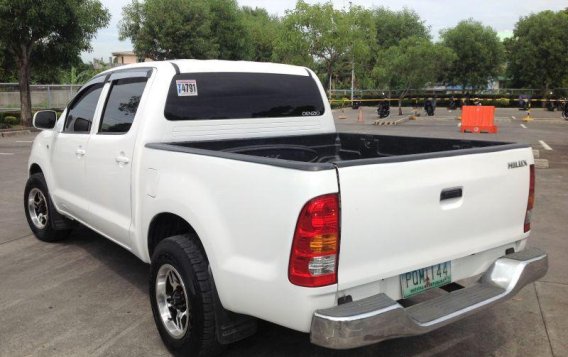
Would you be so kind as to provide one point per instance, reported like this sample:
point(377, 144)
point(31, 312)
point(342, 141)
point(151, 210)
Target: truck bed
point(324, 151)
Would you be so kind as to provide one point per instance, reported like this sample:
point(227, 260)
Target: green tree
point(320, 34)
point(72, 76)
point(45, 69)
point(480, 54)
point(169, 29)
point(82, 72)
point(363, 35)
point(537, 52)
point(263, 29)
point(394, 26)
point(50, 31)
point(413, 63)
point(229, 31)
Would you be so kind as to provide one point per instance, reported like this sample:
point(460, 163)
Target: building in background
point(126, 57)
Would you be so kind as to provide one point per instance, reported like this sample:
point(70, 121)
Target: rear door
point(111, 155)
point(400, 216)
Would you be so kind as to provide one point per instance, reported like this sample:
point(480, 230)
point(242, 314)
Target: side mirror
point(45, 119)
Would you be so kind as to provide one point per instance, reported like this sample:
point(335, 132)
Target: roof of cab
point(192, 66)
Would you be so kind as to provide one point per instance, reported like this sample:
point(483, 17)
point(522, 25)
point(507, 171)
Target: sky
point(438, 14)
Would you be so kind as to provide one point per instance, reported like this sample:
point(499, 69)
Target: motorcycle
point(524, 102)
point(550, 105)
point(383, 110)
point(429, 107)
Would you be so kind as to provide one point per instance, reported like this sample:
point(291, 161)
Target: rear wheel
point(182, 298)
point(40, 211)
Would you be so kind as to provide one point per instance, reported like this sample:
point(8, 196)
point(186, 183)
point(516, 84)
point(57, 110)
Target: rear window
point(195, 96)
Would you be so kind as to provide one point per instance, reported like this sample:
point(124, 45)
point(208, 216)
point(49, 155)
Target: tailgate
point(393, 219)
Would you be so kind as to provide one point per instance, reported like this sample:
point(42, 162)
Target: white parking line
point(24, 141)
point(544, 145)
point(523, 126)
point(6, 153)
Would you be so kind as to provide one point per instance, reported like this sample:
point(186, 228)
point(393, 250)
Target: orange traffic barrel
point(478, 119)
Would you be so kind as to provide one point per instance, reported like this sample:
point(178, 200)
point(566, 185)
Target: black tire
point(45, 232)
point(186, 256)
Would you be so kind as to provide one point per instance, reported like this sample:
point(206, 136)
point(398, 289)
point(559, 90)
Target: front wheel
point(182, 297)
point(385, 113)
point(40, 211)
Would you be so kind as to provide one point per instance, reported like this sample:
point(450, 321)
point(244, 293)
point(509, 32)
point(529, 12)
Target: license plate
point(420, 280)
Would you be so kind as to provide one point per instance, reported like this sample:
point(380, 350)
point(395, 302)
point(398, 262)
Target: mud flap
point(229, 326)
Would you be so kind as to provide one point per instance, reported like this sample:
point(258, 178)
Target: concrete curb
point(390, 122)
point(6, 134)
point(541, 163)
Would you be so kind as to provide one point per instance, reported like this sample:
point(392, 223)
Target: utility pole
point(330, 79)
point(352, 59)
point(352, 78)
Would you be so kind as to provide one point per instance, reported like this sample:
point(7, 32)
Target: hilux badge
point(517, 164)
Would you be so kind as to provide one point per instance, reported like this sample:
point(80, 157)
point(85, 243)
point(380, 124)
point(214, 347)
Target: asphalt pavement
point(87, 296)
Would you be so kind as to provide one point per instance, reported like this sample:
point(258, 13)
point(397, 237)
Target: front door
point(70, 145)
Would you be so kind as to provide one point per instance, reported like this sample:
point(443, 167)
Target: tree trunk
point(24, 82)
point(329, 74)
point(399, 106)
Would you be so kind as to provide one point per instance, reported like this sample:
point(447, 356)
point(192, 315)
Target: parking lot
point(87, 296)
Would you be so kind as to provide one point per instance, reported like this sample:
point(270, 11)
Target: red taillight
point(315, 250)
point(530, 203)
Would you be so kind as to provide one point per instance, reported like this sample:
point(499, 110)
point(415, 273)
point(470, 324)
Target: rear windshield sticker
point(186, 87)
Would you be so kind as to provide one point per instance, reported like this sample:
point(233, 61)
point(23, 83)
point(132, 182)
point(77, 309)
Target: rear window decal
point(186, 87)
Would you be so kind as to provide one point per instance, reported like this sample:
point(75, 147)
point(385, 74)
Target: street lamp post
point(352, 60)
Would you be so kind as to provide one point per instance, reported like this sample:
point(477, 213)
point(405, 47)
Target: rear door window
point(122, 104)
point(206, 96)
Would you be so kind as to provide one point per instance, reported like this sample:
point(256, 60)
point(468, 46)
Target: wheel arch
point(167, 224)
point(35, 169)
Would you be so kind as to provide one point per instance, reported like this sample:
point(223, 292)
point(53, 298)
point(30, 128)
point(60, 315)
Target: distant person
point(523, 102)
point(550, 104)
point(383, 109)
point(453, 104)
point(429, 106)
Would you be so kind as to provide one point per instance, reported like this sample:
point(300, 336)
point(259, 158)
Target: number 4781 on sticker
point(186, 87)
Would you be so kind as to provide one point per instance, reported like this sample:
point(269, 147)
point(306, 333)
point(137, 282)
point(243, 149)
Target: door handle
point(122, 160)
point(80, 152)
point(450, 193)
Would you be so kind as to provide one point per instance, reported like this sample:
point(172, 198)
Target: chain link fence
point(425, 92)
point(56, 96)
point(50, 96)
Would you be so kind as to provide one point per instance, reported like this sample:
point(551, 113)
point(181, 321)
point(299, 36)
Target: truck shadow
point(113, 256)
point(465, 338)
point(474, 336)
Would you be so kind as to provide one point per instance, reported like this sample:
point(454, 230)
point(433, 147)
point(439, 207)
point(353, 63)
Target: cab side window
point(81, 112)
point(121, 105)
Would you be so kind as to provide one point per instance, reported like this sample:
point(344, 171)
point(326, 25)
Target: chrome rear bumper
point(379, 318)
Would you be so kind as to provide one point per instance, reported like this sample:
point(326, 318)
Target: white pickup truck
point(230, 179)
